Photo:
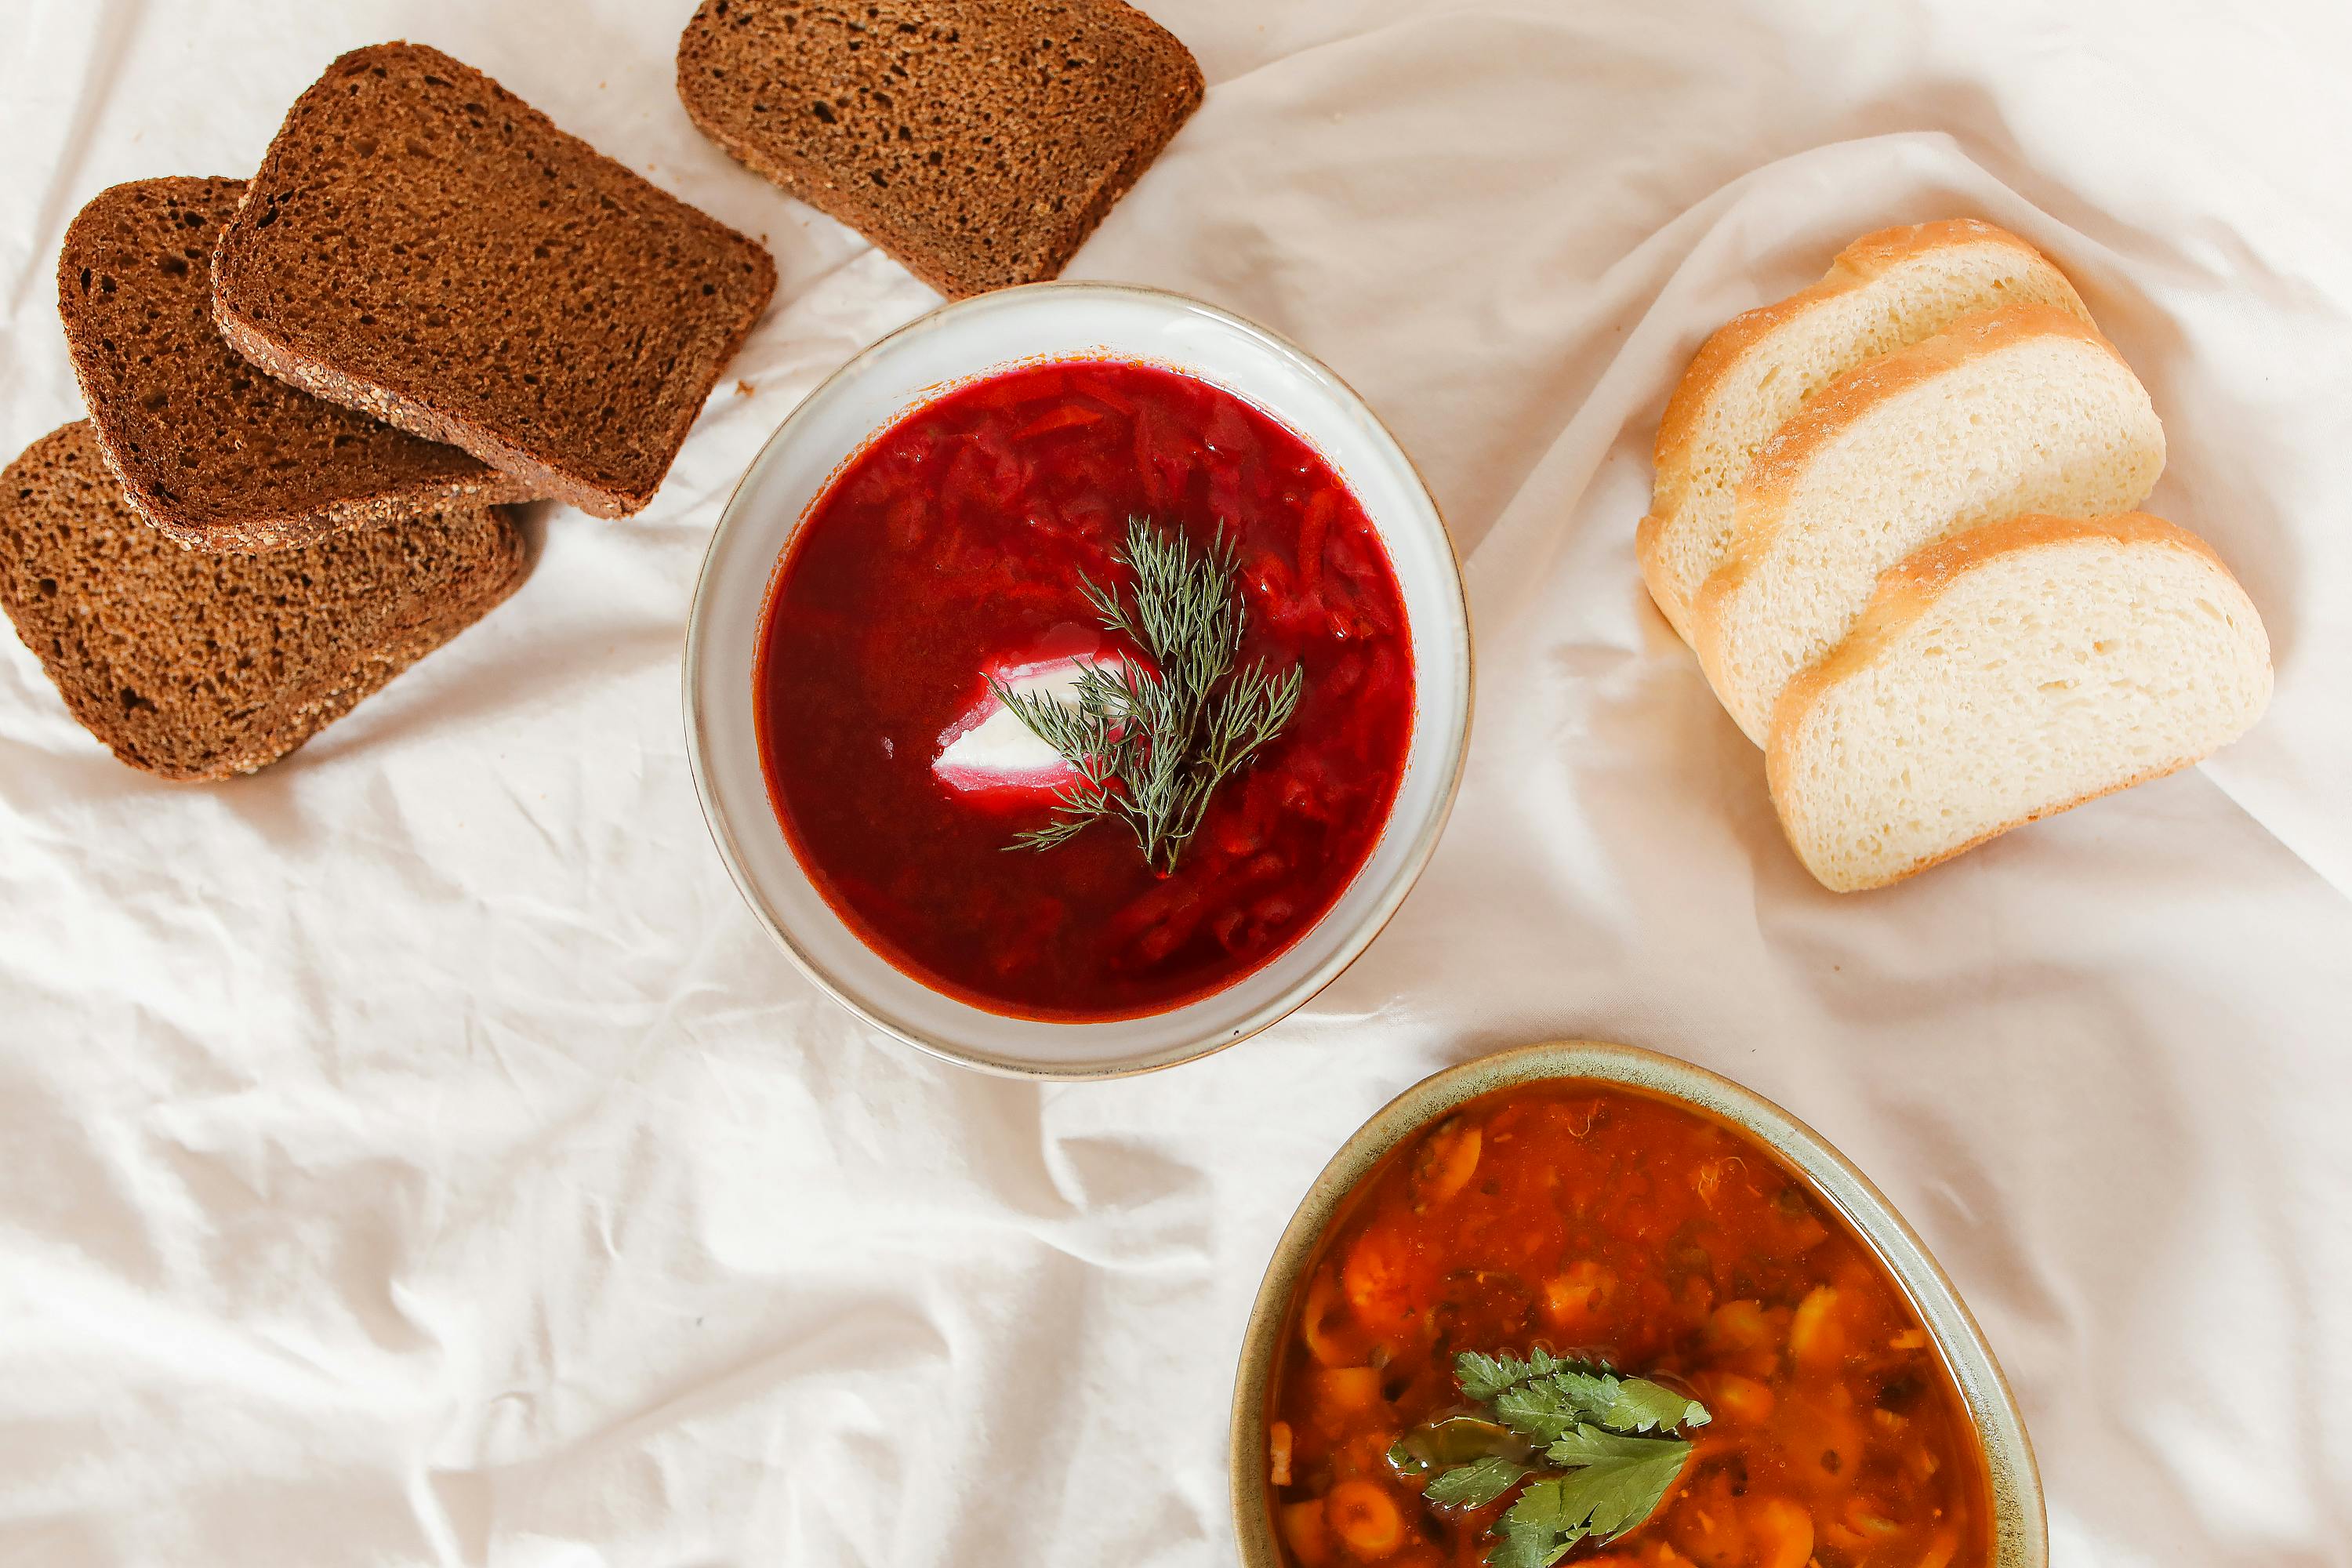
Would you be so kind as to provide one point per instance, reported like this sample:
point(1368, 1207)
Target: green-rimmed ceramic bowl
point(2020, 1531)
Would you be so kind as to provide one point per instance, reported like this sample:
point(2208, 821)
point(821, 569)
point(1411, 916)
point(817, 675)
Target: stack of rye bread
point(311, 393)
point(1894, 516)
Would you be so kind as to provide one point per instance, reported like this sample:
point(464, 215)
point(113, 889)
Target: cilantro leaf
point(1476, 1485)
point(1521, 1546)
point(1451, 1440)
point(1540, 1528)
point(1482, 1377)
point(1642, 1405)
point(1612, 1436)
point(1544, 1408)
point(1614, 1481)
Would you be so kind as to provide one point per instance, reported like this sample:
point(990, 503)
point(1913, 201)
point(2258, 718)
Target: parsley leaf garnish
point(1640, 1405)
point(1529, 1538)
point(1544, 1407)
point(1609, 1447)
point(1615, 1480)
point(1476, 1484)
point(1482, 1377)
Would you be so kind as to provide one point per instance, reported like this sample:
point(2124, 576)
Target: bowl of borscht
point(1586, 1304)
point(1077, 680)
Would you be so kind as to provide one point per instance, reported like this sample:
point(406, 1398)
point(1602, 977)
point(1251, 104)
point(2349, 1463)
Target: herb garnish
point(1602, 1450)
point(1151, 745)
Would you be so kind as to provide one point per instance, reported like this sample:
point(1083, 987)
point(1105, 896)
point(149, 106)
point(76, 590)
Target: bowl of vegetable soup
point(1588, 1304)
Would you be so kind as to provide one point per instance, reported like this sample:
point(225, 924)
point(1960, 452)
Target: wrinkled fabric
point(417, 1153)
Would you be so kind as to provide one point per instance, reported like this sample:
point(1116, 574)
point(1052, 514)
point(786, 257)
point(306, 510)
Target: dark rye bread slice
point(200, 664)
point(211, 450)
point(422, 244)
point(978, 142)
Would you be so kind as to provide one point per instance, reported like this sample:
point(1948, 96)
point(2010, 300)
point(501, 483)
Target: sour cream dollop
point(989, 751)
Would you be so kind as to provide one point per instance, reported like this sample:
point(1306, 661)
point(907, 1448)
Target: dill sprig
point(1149, 746)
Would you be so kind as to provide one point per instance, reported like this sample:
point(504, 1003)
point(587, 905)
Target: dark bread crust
point(422, 246)
point(199, 664)
point(978, 142)
point(211, 451)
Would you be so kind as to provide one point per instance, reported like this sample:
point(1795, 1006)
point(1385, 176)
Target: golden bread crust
point(1866, 258)
point(1781, 461)
point(1907, 591)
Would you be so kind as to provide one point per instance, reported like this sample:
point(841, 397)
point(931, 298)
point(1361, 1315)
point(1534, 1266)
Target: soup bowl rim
point(2020, 1532)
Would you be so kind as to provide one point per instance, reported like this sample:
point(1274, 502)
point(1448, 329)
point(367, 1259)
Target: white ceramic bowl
point(954, 345)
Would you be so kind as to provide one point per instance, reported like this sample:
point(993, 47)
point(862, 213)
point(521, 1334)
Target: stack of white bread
point(1894, 516)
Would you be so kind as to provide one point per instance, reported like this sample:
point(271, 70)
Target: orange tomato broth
point(1598, 1222)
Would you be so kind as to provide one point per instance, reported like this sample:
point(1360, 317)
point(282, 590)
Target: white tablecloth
point(417, 1153)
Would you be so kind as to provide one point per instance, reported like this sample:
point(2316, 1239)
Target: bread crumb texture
point(423, 246)
point(2007, 675)
point(978, 142)
point(1884, 291)
point(208, 447)
point(199, 664)
point(2021, 410)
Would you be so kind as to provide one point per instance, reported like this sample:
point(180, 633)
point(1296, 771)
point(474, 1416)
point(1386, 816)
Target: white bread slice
point(1884, 291)
point(2017, 410)
point(2005, 674)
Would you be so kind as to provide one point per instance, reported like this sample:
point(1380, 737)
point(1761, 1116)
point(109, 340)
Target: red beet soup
point(956, 548)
